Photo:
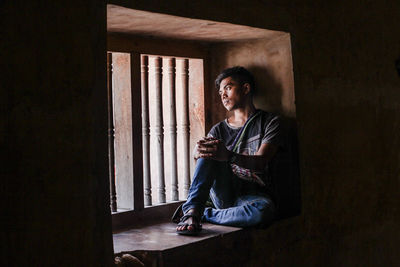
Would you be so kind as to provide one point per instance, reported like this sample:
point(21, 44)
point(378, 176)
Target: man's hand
point(210, 147)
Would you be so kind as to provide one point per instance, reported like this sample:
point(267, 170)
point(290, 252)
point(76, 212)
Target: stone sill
point(162, 236)
point(159, 245)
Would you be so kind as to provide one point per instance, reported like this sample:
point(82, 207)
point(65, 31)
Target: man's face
point(232, 94)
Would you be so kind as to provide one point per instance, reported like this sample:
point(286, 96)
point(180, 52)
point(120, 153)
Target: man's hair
point(239, 74)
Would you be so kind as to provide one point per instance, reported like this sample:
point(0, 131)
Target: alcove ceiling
point(144, 23)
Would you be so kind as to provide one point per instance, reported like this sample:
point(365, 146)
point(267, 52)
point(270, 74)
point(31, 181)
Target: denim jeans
point(232, 207)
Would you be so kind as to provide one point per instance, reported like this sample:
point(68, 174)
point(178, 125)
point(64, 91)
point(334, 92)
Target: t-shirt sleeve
point(273, 132)
point(211, 133)
point(214, 132)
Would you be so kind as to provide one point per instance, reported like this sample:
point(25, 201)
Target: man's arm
point(257, 161)
point(215, 149)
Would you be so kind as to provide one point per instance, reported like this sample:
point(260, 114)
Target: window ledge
point(159, 245)
point(162, 237)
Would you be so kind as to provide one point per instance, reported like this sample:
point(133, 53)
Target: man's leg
point(247, 211)
point(210, 174)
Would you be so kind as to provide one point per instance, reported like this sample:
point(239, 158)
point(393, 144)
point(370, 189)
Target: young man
point(232, 162)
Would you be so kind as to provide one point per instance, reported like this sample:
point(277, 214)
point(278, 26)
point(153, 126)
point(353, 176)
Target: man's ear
point(246, 88)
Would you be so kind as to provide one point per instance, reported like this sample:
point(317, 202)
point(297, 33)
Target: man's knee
point(263, 213)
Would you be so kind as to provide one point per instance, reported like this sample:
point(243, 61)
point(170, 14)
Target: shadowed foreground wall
point(347, 107)
point(348, 110)
point(53, 128)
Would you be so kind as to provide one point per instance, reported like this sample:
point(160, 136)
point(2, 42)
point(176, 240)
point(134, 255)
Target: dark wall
point(348, 95)
point(53, 134)
point(348, 114)
point(347, 101)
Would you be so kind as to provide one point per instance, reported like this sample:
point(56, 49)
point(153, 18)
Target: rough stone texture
point(347, 108)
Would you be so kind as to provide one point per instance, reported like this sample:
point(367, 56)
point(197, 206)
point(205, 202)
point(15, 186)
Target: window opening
point(169, 120)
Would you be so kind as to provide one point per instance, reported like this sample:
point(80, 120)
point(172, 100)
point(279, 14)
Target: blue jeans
point(233, 207)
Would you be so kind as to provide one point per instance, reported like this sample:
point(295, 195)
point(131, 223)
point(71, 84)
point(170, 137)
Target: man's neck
point(240, 115)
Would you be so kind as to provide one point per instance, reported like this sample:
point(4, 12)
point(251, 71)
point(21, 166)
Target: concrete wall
point(53, 94)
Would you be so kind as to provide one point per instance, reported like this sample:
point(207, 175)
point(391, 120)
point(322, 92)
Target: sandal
point(178, 214)
point(196, 225)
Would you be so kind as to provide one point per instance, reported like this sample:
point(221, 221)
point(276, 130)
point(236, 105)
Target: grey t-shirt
point(264, 128)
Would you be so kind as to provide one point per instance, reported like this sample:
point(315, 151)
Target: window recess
point(151, 116)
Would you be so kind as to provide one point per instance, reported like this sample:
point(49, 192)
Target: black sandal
point(178, 214)
point(196, 226)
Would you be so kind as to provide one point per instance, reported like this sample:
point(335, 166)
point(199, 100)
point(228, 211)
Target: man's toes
point(181, 227)
point(190, 228)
